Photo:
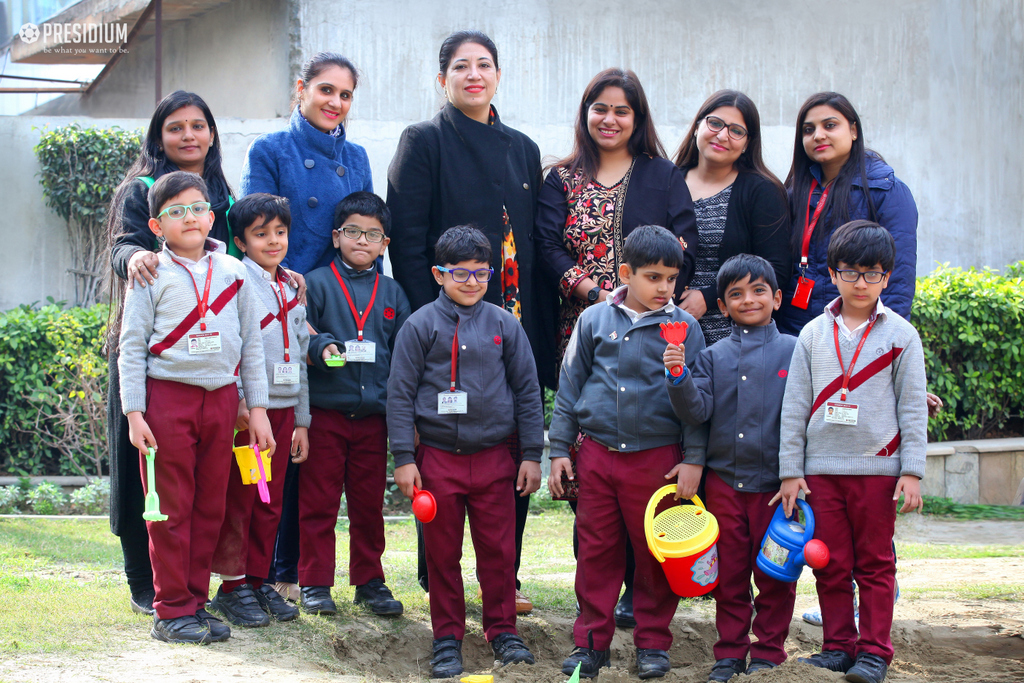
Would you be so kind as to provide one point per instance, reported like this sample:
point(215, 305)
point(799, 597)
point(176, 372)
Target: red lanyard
point(283, 313)
point(849, 373)
point(809, 222)
point(360, 322)
point(455, 353)
point(203, 307)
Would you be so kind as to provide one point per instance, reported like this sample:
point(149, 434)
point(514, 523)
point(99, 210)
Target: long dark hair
point(750, 161)
point(457, 39)
point(153, 162)
point(316, 64)
point(798, 182)
point(585, 156)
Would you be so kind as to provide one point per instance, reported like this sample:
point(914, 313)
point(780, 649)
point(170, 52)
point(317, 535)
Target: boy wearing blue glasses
point(853, 438)
point(464, 380)
point(352, 306)
point(184, 341)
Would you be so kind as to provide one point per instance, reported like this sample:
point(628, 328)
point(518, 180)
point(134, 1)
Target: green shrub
point(47, 499)
point(972, 327)
point(11, 498)
point(91, 499)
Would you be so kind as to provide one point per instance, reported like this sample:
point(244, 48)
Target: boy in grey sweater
point(854, 423)
point(182, 341)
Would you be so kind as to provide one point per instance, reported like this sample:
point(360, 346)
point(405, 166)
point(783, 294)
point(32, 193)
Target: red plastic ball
point(816, 554)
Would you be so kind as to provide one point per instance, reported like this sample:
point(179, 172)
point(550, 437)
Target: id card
point(360, 351)
point(841, 413)
point(203, 342)
point(802, 295)
point(451, 403)
point(286, 373)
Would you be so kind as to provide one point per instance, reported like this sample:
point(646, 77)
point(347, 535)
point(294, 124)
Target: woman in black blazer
point(741, 207)
point(462, 167)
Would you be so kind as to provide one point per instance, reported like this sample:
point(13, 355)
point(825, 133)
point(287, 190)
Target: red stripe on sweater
point(890, 447)
point(271, 317)
point(193, 317)
point(869, 371)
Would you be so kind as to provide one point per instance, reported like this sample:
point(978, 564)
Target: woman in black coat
point(462, 167)
point(741, 207)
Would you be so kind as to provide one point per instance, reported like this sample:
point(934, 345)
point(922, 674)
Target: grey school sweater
point(888, 385)
point(159, 319)
point(268, 310)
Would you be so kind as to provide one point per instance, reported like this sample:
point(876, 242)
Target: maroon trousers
point(480, 485)
point(855, 516)
point(614, 491)
point(246, 544)
point(350, 456)
point(743, 519)
point(193, 429)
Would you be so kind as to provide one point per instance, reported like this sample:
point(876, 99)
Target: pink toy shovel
point(674, 333)
point(262, 483)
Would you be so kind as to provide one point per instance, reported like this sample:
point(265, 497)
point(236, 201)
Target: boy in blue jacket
point(734, 393)
point(611, 388)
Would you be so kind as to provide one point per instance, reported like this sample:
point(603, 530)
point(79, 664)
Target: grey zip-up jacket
point(612, 385)
point(734, 392)
point(495, 368)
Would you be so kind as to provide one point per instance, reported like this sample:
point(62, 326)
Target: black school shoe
point(317, 600)
point(142, 602)
point(510, 649)
point(219, 631)
point(591, 661)
point(869, 668)
point(447, 659)
point(186, 629)
point(624, 610)
point(377, 597)
point(274, 604)
point(833, 660)
point(240, 607)
point(651, 663)
point(724, 669)
point(757, 664)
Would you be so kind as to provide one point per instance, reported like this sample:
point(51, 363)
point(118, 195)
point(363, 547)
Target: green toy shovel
point(575, 678)
point(152, 513)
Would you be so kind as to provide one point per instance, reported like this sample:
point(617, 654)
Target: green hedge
point(972, 326)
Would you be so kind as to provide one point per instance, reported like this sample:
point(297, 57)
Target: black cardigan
point(756, 222)
point(657, 195)
point(452, 171)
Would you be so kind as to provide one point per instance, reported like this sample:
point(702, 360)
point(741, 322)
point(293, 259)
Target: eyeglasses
point(460, 275)
point(872, 277)
point(356, 233)
point(715, 124)
point(178, 211)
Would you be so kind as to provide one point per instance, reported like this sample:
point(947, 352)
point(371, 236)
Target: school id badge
point(841, 413)
point(203, 342)
point(452, 403)
point(360, 351)
point(286, 373)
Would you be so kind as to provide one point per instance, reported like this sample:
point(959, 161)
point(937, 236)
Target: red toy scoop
point(675, 333)
point(423, 505)
point(816, 554)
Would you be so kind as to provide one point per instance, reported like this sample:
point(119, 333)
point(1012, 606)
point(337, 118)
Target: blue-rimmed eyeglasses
point(177, 212)
point(460, 275)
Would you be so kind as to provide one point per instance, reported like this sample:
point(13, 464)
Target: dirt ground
point(937, 639)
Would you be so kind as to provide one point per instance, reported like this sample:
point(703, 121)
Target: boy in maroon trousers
point(611, 389)
point(463, 380)
point(734, 394)
point(184, 340)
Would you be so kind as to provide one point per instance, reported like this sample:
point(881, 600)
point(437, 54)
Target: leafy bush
point(52, 381)
point(972, 326)
point(91, 499)
point(79, 170)
point(11, 498)
point(46, 499)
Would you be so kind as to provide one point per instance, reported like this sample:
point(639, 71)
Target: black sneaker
point(833, 660)
point(869, 668)
point(142, 602)
point(186, 629)
point(273, 604)
point(758, 664)
point(591, 661)
point(724, 669)
point(510, 649)
point(317, 600)
point(219, 631)
point(240, 607)
point(378, 598)
point(447, 659)
point(651, 663)
point(624, 610)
